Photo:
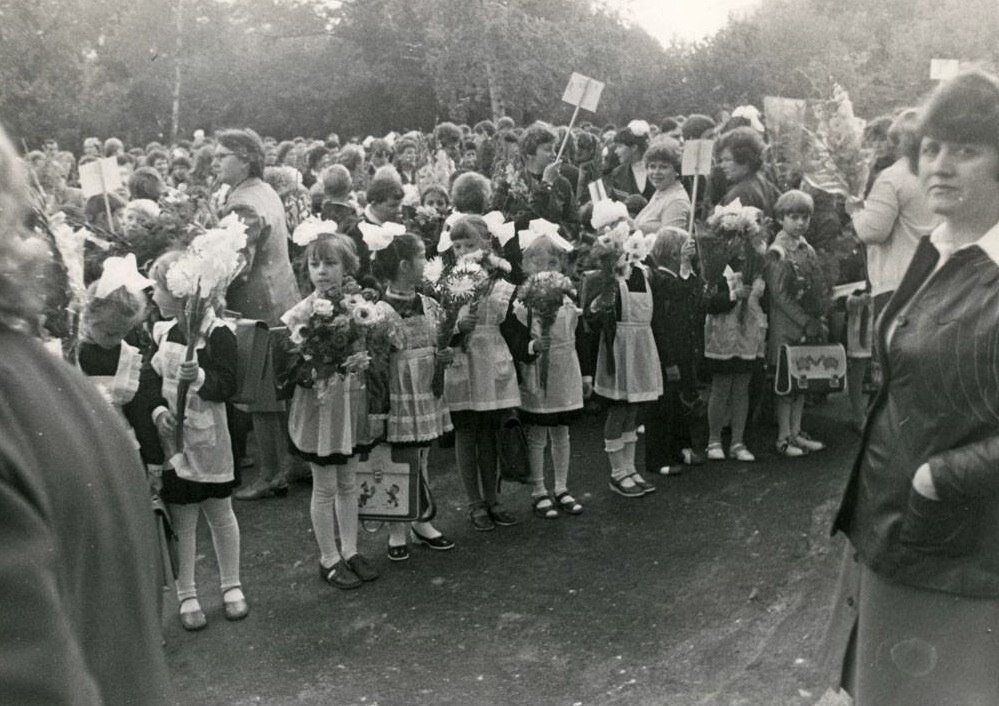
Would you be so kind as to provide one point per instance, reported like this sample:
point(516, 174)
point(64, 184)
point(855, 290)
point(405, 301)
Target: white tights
point(334, 505)
point(225, 538)
point(537, 440)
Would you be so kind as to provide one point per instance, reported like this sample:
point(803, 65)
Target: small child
point(417, 417)
point(549, 411)
point(329, 427)
point(789, 259)
point(200, 478)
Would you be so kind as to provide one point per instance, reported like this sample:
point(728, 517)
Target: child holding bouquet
point(551, 387)
point(480, 386)
point(199, 477)
point(798, 299)
point(417, 417)
point(328, 418)
point(619, 304)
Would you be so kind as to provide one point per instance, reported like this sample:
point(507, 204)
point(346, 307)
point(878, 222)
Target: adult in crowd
point(630, 176)
point(264, 290)
point(384, 196)
point(670, 204)
point(918, 611)
point(740, 155)
point(79, 562)
point(405, 159)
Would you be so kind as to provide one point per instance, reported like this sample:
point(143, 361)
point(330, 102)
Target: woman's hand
point(922, 482)
point(551, 173)
point(467, 323)
point(673, 373)
point(445, 355)
point(759, 286)
point(854, 205)
point(188, 371)
point(687, 252)
point(542, 344)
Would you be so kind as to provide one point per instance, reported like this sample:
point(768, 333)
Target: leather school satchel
point(810, 368)
point(391, 491)
point(512, 450)
point(252, 342)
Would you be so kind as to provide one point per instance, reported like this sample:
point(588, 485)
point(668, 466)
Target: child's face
point(133, 219)
point(326, 273)
point(469, 159)
point(466, 246)
point(108, 334)
point(435, 200)
point(542, 261)
point(795, 224)
point(413, 269)
point(170, 307)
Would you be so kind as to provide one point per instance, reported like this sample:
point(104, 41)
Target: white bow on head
point(541, 227)
point(121, 272)
point(379, 237)
point(607, 212)
point(499, 227)
point(444, 243)
point(310, 229)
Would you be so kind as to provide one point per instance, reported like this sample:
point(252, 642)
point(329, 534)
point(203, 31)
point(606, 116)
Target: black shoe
point(501, 517)
point(398, 553)
point(480, 519)
point(340, 575)
point(440, 543)
point(362, 567)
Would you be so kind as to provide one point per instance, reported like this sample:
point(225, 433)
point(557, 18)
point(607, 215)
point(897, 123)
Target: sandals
point(543, 507)
point(192, 620)
point(626, 487)
point(740, 453)
point(568, 504)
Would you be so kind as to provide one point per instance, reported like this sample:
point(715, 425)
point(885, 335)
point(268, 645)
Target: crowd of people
point(368, 228)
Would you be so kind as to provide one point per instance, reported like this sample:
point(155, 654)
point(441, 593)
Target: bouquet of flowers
point(543, 294)
point(427, 221)
point(739, 235)
point(514, 193)
point(810, 287)
point(464, 283)
point(835, 160)
point(210, 263)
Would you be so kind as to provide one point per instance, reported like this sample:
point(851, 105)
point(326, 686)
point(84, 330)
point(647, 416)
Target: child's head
point(106, 320)
point(635, 203)
point(169, 305)
point(794, 211)
point(469, 234)
point(543, 255)
point(435, 196)
point(402, 259)
point(139, 212)
point(666, 249)
point(330, 258)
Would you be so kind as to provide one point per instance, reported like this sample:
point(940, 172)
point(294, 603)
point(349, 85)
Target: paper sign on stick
point(583, 91)
point(597, 190)
point(100, 176)
point(943, 69)
point(696, 157)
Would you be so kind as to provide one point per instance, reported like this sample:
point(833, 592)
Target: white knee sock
point(537, 440)
point(225, 537)
point(615, 453)
point(346, 507)
point(560, 457)
point(185, 524)
point(323, 515)
point(630, 439)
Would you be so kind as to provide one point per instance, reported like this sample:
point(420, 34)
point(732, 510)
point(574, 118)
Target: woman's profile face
point(958, 177)
point(733, 170)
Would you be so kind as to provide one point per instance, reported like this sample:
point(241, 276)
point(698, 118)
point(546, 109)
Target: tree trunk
point(495, 93)
point(178, 53)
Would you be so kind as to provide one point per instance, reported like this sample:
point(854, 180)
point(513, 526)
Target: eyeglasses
point(220, 155)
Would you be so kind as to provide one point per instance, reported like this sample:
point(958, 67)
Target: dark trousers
point(667, 422)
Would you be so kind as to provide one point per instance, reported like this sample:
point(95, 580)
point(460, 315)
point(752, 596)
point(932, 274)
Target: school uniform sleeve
point(516, 335)
point(779, 274)
point(218, 362)
point(717, 300)
point(139, 413)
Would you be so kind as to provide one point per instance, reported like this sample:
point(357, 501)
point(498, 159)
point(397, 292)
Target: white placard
point(583, 91)
point(943, 69)
point(100, 176)
point(597, 190)
point(696, 157)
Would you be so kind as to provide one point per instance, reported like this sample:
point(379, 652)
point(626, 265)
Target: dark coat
point(621, 184)
point(79, 564)
point(754, 190)
point(939, 404)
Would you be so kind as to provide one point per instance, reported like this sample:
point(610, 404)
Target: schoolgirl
point(328, 426)
point(200, 478)
point(416, 416)
point(549, 410)
point(480, 386)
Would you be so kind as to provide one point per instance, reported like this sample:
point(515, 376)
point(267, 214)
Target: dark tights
point(476, 454)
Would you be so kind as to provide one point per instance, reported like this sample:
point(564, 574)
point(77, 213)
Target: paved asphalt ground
point(713, 590)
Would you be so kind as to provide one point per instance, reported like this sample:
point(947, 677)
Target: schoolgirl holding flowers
point(328, 418)
point(417, 417)
point(480, 386)
point(551, 386)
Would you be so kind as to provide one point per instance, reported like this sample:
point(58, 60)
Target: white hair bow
point(121, 272)
point(540, 227)
point(379, 237)
point(499, 227)
point(750, 113)
point(310, 229)
point(607, 212)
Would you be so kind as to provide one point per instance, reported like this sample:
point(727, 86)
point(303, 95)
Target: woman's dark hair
point(668, 125)
point(403, 143)
point(155, 156)
point(585, 142)
point(334, 245)
point(447, 134)
point(203, 158)
point(665, 149)
point(534, 137)
point(403, 248)
point(351, 156)
point(283, 149)
point(505, 123)
point(181, 161)
point(470, 193)
point(696, 125)
point(379, 145)
point(878, 128)
point(625, 136)
point(146, 183)
point(247, 146)
point(434, 189)
point(94, 209)
point(963, 109)
point(113, 146)
point(314, 155)
point(746, 147)
point(485, 127)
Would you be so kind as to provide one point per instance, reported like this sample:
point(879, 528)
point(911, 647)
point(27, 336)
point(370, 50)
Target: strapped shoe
point(192, 620)
point(362, 568)
point(804, 441)
point(340, 575)
point(543, 507)
point(740, 453)
point(626, 487)
point(568, 504)
point(440, 543)
point(400, 553)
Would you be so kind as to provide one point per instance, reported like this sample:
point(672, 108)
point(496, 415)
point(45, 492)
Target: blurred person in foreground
point(79, 563)
point(917, 615)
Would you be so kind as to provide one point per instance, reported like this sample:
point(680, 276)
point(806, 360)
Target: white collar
point(371, 216)
point(989, 242)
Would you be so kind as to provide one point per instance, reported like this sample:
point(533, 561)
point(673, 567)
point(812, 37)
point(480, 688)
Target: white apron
point(119, 389)
point(565, 380)
point(637, 376)
point(331, 417)
point(483, 378)
point(415, 413)
point(207, 455)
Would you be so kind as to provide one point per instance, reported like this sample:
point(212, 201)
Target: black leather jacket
point(939, 405)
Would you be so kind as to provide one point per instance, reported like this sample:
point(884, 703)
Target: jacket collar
point(988, 243)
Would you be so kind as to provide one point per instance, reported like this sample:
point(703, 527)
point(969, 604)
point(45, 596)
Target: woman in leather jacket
point(917, 616)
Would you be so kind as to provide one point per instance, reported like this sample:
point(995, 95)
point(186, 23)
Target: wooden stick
point(572, 121)
point(107, 201)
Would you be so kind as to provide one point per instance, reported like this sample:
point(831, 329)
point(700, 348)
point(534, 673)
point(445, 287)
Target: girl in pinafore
point(480, 386)
point(416, 417)
point(328, 423)
point(200, 479)
point(627, 371)
point(549, 410)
